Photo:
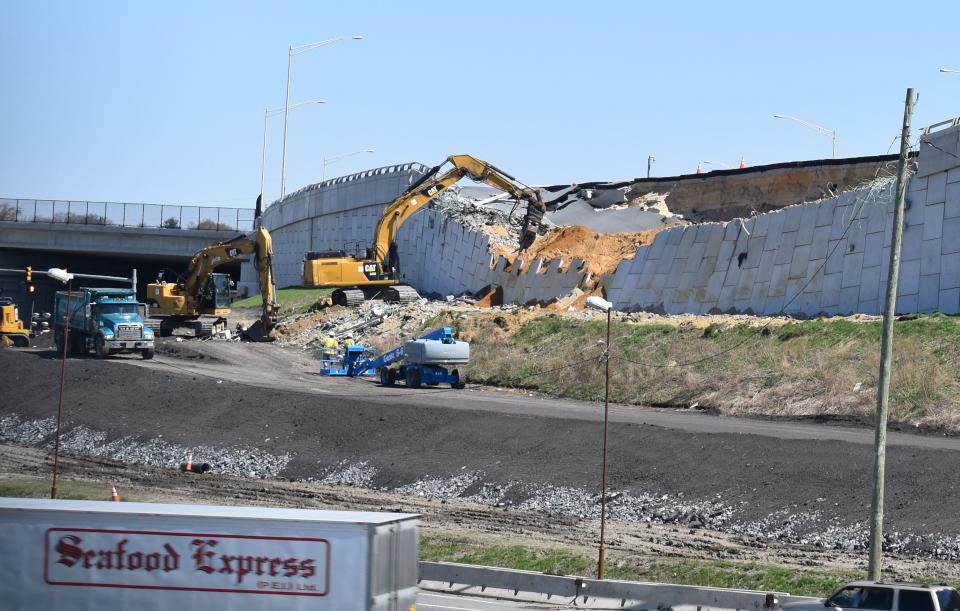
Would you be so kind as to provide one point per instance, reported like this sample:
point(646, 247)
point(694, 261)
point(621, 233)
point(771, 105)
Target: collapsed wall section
point(439, 256)
point(830, 257)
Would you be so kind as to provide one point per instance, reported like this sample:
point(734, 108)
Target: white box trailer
point(92, 555)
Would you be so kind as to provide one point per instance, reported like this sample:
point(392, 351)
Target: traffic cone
point(187, 467)
point(113, 494)
point(699, 168)
point(742, 163)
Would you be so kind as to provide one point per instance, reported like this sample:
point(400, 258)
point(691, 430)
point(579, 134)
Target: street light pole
point(831, 133)
point(328, 161)
point(63, 276)
point(291, 51)
point(598, 303)
point(267, 113)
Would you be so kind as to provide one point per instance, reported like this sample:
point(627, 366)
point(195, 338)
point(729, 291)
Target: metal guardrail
point(115, 214)
point(470, 580)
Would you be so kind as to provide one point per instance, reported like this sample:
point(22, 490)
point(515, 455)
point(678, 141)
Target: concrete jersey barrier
point(584, 593)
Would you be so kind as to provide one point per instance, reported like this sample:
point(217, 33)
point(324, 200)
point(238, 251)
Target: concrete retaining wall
point(829, 257)
point(336, 214)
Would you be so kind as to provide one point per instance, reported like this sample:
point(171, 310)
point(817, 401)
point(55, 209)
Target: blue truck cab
point(107, 321)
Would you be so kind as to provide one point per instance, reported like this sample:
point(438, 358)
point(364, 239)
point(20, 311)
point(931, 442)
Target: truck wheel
point(147, 353)
point(461, 381)
point(100, 348)
point(78, 344)
point(387, 376)
point(413, 377)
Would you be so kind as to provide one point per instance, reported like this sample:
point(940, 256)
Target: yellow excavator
point(200, 299)
point(377, 272)
point(10, 325)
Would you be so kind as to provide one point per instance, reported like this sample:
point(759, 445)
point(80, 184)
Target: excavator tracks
point(401, 293)
point(347, 297)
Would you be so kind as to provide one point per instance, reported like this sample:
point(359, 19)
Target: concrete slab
point(950, 271)
point(798, 266)
point(937, 188)
point(909, 281)
point(952, 205)
point(929, 297)
point(949, 302)
point(933, 221)
point(830, 294)
point(785, 252)
point(852, 269)
point(930, 257)
point(808, 222)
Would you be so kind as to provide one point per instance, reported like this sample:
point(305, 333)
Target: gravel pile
point(27, 433)
point(346, 473)
point(84, 441)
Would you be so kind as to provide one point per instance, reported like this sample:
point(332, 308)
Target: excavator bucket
point(262, 330)
point(257, 333)
point(531, 226)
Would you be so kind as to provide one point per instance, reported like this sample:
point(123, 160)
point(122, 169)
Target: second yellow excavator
point(200, 299)
point(377, 274)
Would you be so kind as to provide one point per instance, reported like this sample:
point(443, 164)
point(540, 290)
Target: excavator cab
point(215, 294)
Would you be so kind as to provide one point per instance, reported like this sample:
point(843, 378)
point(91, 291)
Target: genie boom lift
point(423, 361)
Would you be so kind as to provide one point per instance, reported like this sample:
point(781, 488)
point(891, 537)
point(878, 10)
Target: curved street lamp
point(328, 160)
point(831, 133)
point(267, 113)
point(291, 51)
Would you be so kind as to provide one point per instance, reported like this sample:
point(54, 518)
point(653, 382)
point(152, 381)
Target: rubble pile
point(502, 225)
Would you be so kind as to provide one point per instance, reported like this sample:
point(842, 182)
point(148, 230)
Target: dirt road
point(503, 449)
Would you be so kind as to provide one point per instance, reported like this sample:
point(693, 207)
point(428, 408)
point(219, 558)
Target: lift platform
point(424, 361)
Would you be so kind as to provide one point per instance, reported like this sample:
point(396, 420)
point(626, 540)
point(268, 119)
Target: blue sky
point(163, 102)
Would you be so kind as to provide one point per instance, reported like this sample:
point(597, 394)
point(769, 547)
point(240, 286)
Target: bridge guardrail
point(122, 214)
point(586, 593)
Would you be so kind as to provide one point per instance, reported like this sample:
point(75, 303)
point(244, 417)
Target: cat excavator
point(200, 299)
point(376, 273)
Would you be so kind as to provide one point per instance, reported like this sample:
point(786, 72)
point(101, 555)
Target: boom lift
point(422, 361)
point(200, 299)
point(377, 273)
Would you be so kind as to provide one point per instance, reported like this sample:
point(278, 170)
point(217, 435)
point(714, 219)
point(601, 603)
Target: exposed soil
point(265, 397)
point(600, 252)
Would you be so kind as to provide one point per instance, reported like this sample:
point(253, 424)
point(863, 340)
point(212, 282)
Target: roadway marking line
point(447, 608)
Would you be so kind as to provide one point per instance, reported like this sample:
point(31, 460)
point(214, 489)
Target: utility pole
point(650, 160)
point(886, 349)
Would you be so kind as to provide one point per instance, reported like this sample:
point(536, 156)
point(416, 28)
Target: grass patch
point(718, 574)
point(36, 488)
point(292, 300)
point(805, 368)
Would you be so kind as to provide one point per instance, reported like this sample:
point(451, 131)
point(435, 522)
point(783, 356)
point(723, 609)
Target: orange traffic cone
point(113, 495)
point(699, 168)
point(189, 466)
point(742, 163)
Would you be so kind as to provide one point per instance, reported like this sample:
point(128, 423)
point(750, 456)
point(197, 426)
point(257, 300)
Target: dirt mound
point(601, 252)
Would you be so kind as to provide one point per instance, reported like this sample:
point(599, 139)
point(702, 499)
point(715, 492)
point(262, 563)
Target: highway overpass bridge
point(106, 238)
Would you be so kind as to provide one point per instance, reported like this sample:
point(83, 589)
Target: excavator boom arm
point(207, 259)
point(434, 183)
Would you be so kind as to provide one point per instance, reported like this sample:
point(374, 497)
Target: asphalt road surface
point(449, 602)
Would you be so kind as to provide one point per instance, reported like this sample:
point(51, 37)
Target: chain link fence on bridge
point(151, 216)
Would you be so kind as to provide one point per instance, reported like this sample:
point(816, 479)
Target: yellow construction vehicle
point(10, 325)
point(377, 272)
point(200, 299)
